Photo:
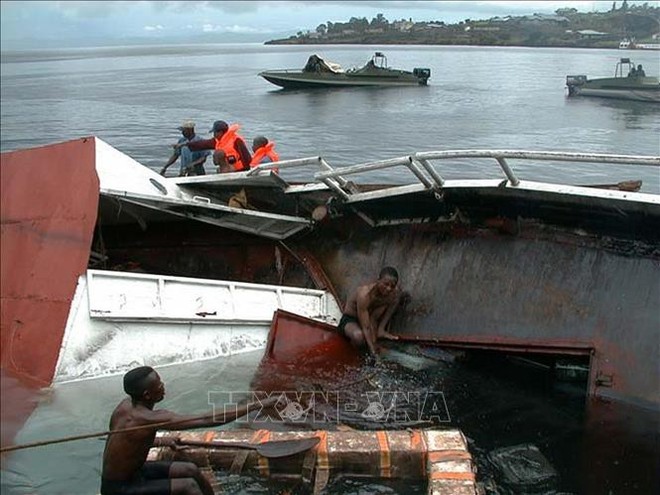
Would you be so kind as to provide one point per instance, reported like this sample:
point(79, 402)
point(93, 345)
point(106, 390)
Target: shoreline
point(422, 43)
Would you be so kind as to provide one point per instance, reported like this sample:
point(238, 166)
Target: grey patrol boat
point(319, 72)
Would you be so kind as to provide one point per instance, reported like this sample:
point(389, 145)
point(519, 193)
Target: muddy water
point(596, 448)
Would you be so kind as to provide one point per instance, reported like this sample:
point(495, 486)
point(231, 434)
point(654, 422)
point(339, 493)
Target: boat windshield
point(624, 68)
point(379, 60)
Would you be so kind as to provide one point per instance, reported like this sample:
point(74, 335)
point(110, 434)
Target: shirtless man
point(220, 161)
point(125, 471)
point(369, 310)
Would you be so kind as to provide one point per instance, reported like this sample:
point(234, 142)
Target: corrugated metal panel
point(259, 223)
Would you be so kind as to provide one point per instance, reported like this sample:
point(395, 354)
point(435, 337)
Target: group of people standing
point(230, 153)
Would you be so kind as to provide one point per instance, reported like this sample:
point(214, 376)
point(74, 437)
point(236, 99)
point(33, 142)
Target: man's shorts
point(345, 320)
point(152, 479)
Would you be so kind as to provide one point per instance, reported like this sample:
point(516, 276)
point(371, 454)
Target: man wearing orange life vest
point(264, 152)
point(227, 139)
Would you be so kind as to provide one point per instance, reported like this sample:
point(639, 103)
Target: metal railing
point(420, 164)
point(426, 172)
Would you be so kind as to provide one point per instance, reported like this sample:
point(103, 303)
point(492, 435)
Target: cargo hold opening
point(566, 373)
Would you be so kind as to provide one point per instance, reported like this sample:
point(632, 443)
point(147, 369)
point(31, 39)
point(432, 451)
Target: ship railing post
point(332, 184)
point(437, 178)
point(419, 173)
point(326, 166)
point(337, 182)
point(507, 171)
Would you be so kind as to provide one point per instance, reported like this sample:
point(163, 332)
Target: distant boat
point(322, 73)
point(627, 44)
point(626, 84)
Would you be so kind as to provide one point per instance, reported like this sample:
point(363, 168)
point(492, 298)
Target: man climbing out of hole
point(369, 310)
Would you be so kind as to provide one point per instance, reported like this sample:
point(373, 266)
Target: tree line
point(566, 27)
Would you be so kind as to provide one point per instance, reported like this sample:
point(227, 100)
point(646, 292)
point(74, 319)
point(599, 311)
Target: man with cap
point(192, 162)
point(227, 139)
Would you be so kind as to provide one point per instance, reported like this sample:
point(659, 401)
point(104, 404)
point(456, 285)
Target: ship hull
point(300, 80)
point(524, 267)
point(626, 88)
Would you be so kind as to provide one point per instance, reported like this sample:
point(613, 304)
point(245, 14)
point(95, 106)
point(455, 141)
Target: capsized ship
point(319, 72)
point(626, 84)
point(505, 264)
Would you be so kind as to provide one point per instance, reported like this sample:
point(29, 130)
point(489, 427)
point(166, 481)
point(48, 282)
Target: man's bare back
point(125, 469)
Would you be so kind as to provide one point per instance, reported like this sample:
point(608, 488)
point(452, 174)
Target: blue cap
point(219, 125)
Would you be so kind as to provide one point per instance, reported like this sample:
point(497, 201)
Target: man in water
point(369, 310)
point(125, 470)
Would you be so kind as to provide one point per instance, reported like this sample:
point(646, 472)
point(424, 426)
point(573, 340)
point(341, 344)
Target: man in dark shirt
point(236, 151)
point(125, 469)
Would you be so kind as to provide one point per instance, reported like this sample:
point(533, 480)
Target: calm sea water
point(478, 97)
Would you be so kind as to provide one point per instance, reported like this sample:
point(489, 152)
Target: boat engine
point(573, 84)
point(422, 74)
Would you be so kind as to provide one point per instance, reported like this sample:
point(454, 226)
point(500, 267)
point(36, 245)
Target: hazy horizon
point(51, 24)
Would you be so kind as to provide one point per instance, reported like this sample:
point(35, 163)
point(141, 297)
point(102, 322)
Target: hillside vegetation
point(565, 28)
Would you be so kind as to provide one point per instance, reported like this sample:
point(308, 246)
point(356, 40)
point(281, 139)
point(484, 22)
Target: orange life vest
point(226, 144)
point(268, 150)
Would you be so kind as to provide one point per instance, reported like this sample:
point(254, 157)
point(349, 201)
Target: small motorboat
point(628, 83)
point(319, 72)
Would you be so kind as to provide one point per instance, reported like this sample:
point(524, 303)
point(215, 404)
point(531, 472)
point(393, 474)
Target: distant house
point(501, 19)
point(591, 34)
point(545, 18)
point(403, 25)
point(428, 26)
point(485, 28)
point(375, 30)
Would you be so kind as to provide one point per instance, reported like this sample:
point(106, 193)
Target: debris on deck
point(439, 456)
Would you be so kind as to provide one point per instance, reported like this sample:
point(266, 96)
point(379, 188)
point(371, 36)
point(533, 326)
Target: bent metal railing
point(421, 166)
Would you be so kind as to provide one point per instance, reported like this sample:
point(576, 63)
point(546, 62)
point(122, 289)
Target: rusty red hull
point(49, 203)
point(295, 339)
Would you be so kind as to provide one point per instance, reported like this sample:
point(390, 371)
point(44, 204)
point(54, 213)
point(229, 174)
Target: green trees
point(638, 21)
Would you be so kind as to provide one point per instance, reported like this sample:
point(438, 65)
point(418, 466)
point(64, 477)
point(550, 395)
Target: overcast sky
point(51, 24)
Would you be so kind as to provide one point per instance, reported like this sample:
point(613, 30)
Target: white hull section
point(121, 320)
point(653, 96)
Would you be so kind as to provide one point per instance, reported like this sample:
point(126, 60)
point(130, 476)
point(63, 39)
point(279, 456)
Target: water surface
point(478, 97)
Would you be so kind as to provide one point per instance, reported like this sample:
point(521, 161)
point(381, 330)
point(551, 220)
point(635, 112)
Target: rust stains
point(49, 201)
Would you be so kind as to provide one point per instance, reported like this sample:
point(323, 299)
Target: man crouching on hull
point(369, 310)
point(125, 469)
